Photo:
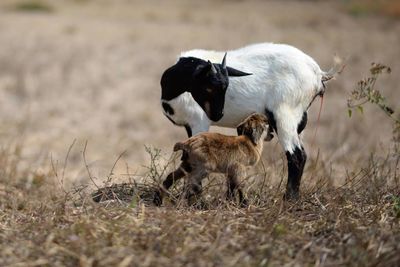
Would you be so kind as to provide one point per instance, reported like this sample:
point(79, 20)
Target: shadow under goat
point(213, 152)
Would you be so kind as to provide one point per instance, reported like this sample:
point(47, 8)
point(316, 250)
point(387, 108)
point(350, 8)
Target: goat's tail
point(335, 70)
point(329, 75)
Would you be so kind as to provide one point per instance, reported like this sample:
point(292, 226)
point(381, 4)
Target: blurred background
point(89, 70)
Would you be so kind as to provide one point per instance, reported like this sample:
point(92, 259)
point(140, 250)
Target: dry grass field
point(79, 109)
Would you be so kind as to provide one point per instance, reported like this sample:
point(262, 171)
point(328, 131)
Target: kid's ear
point(239, 129)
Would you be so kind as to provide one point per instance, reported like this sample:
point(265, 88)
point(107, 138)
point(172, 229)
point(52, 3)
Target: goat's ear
point(236, 73)
point(204, 70)
point(201, 70)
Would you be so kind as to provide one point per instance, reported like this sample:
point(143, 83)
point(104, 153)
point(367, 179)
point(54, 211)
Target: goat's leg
point(188, 130)
point(303, 123)
point(193, 184)
point(289, 123)
point(272, 124)
point(174, 176)
point(177, 174)
point(296, 162)
point(198, 125)
point(234, 174)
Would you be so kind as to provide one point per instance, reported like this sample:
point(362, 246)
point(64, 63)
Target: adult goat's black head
point(206, 81)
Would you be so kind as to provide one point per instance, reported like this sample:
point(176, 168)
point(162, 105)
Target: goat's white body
point(284, 81)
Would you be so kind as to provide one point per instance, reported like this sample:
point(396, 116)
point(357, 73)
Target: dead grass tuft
point(355, 224)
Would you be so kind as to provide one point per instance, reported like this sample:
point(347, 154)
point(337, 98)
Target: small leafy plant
point(366, 92)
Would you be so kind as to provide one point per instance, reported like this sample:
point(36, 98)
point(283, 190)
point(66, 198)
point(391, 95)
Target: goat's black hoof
point(291, 195)
point(244, 203)
point(157, 199)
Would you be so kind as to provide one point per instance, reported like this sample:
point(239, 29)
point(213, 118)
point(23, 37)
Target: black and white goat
point(274, 79)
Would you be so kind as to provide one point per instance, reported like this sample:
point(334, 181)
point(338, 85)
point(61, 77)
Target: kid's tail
point(179, 146)
point(182, 146)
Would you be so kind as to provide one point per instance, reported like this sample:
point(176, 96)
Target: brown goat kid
point(213, 152)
